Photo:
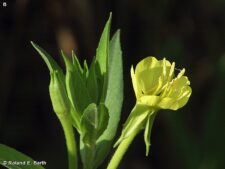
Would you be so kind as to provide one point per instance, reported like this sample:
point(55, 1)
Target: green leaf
point(76, 63)
point(93, 123)
point(103, 118)
point(101, 59)
point(9, 154)
point(92, 84)
point(103, 47)
point(114, 98)
point(88, 123)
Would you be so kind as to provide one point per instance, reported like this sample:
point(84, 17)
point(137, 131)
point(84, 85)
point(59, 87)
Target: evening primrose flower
point(154, 84)
point(156, 87)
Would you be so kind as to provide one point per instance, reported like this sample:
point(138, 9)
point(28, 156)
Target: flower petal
point(148, 79)
point(135, 84)
point(184, 99)
point(168, 103)
point(175, 103)
point(146, 63)
point(176, 88)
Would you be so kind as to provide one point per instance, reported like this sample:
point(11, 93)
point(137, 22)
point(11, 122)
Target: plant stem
point(70, 141)
point(89, 153)
point(121, 150)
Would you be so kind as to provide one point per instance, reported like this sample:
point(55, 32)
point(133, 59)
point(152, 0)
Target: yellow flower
point(154, 84)
point(155, 87)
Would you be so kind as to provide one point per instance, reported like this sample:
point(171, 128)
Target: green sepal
point(147, 132)
point(136, 121)
point(93, 123)
point(10, 154)
point(52, 65)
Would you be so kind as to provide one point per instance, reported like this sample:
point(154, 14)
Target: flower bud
point(59, 98)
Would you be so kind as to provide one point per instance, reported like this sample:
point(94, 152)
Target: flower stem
point(70, 141)
point(121, 150)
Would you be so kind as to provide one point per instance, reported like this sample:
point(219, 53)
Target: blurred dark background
point(189, 32)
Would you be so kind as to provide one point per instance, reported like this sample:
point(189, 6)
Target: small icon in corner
point(4, 4)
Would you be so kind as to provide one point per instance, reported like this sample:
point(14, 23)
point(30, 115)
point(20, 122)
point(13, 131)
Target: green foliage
point(92, 96)
point(9, 154)
point(99, 67)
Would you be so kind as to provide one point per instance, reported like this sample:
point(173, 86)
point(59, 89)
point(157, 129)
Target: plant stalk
point(70, 141)
point(121, 150)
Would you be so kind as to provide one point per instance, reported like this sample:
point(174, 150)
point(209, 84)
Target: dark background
point(189, 32)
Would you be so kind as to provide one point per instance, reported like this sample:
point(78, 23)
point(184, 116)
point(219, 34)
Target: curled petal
point(177, 87)
point(174, 103)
